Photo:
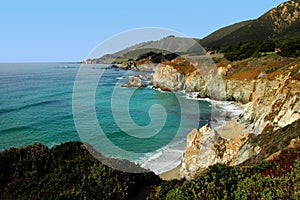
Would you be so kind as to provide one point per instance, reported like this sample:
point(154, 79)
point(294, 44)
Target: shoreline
point(171, 174)
point(230, 130)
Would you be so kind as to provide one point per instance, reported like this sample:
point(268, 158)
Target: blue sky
point(65, 30)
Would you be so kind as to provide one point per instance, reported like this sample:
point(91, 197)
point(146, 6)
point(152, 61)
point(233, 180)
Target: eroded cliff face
point(268, 105)
point(267, 102)
point(205, 147)
point(168, 78)
point(196, 82)
point(274, 104)
point(201, 151)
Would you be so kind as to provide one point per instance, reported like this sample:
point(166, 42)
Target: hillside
point(281, 21)
point(219, 34)
point(170, 44)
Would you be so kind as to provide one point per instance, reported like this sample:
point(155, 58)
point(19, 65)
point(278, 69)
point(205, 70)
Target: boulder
point(134, 82)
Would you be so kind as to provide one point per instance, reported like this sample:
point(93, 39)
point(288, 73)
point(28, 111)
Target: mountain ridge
point(276, 23)
point(282, 21)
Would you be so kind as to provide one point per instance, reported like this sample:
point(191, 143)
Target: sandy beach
point(172, 174)
point(232, 129)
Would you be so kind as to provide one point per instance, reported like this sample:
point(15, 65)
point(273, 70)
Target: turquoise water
point(36, 106)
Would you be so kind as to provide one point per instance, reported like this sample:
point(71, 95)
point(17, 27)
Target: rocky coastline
point(269, 104)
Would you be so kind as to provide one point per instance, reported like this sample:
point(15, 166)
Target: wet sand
point(172, 174)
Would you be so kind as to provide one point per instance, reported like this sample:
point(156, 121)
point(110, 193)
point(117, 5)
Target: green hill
point(278, 23)
point(281, 21)
point(170, 44)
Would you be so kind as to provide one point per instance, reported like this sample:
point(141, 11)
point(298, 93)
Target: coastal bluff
point(206, 147)
point(269, 102)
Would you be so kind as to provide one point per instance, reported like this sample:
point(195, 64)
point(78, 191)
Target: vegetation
point(259, 181)
point(288, 47)
point(257, 178)
point(182, 65)
point(279, 22)
point(66, 171)
point(154, 57)
point(264, 67)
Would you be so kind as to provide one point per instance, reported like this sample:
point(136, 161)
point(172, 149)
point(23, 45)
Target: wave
point(164, 159)
point(16, 129)
point(171, 156)
point(67, 67)
point(47, 102)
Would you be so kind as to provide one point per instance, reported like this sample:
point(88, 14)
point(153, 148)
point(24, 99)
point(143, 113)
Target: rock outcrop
point(196, 83)
point(168, 78)
point(201, 151)
point(134, 82)
point(269, 104)
point(206, 147)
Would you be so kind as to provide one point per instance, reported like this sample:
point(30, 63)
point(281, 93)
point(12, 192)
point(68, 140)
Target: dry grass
point(268, 66)
point(181, 65)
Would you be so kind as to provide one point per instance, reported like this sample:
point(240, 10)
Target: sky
point(68, 30)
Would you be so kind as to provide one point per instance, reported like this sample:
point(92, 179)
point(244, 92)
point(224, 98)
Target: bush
point(66, 171)
point(290, 47)
point(248, 182)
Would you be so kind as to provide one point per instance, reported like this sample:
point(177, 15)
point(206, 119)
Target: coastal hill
point(169, 44)
point(254, 156)
point(278, 23)
point(281, 21)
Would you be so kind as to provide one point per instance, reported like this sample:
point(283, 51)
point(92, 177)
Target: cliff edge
point(270, 101)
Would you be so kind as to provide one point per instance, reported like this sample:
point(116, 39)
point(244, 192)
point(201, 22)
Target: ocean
point(51, 103)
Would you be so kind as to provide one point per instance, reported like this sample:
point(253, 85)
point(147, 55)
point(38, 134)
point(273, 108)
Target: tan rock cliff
point(268, 105)
point(206, 147)
point(168, 78)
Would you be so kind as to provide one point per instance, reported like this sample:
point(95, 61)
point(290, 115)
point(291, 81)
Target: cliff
point(270, 102)
point(174, 81)
point(206, 147)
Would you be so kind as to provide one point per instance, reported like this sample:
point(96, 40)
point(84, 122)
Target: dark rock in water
point(114, 66)
point(134, 82)
point(129, 65)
